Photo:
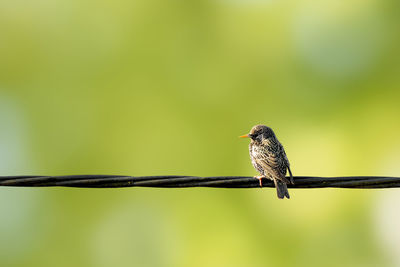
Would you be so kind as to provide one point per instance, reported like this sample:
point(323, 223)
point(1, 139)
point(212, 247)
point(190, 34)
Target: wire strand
point(172, 181)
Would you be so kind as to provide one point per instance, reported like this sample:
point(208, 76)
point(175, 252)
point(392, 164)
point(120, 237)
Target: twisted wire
point(178, 181)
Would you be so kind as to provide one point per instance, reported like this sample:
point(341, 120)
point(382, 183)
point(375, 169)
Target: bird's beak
point(244, 136)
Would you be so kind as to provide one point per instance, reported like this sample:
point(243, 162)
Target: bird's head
point(259, 132)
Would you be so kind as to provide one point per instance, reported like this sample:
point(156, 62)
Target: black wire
point(113, 181)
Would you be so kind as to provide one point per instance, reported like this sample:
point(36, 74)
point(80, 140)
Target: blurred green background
point(166, 87)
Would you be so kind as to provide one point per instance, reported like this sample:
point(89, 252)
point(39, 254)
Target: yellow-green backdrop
point(165, 87)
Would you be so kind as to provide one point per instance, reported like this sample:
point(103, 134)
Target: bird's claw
point(260, 179)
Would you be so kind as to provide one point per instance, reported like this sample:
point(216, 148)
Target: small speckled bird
point(269, 158)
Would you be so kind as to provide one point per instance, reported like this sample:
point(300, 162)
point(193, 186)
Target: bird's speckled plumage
point(269, 158)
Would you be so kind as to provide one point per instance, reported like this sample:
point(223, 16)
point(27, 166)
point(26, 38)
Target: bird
point(269, 158)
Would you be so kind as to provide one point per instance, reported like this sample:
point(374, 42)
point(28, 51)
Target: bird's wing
point(272, 161)
point(287, 165)
point(291, 175)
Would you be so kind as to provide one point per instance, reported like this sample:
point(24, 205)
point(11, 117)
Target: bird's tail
point(281, 189)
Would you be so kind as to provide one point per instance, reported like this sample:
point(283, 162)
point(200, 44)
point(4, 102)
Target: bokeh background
point(165, 87)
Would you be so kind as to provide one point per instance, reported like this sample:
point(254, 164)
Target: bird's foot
point(260, 179)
